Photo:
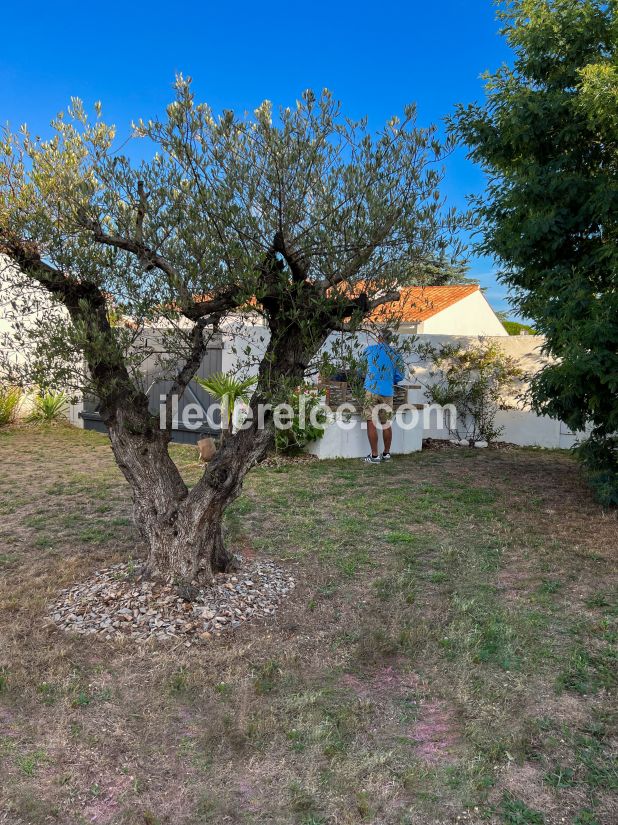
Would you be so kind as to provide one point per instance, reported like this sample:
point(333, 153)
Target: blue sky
point(375, 57)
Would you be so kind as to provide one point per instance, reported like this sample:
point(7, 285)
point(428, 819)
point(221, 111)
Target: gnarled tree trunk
point(182, 528)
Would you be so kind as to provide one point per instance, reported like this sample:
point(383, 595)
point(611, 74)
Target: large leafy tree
point(547, 137)
point(305, 215)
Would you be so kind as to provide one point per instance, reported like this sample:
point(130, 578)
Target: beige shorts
point(384, 404)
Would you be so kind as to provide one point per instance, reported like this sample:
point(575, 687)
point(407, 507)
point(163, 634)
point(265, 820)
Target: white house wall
point(471, 315)
point(13, 287)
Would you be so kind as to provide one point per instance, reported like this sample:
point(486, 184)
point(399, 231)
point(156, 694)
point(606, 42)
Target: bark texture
point(182, 528)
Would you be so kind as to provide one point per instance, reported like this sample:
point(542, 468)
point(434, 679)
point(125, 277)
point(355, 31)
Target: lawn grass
point(449, 652)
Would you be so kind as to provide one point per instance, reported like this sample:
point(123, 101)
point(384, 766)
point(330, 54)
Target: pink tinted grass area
point(434, 733)
point(385, 682)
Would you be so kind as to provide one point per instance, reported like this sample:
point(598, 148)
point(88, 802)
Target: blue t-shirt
point(382, 364)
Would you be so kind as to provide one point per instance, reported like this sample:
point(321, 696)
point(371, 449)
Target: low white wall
point(525, 428)
point(348, 439)
point(521, 425)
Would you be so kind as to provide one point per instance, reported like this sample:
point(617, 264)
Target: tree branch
point(147, 256)
point(26, 256)
point(86, 305)
point(190, 367)
point(361, 304)
point(362, 256)
point(214, 307)
point(387, 298)
point(294, 260)
point(190, 308)
point(141, 212)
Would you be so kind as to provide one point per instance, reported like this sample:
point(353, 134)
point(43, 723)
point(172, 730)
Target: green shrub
point(477, 380)
point(604, 484)
point(303, 430)
point(10, 400)
point(49, 406)
point(599, 457)
point(516, 328)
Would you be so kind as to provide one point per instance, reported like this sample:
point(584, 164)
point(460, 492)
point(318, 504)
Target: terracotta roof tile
point(417, 303)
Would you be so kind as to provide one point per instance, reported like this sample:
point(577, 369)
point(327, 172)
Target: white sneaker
point(385, 457)
point(372, 459)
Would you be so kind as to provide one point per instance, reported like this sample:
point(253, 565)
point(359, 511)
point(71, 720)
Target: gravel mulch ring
point(112, 604)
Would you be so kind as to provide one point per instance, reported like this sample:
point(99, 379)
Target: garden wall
point(521, 425)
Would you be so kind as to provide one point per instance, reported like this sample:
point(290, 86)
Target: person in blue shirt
point(384, 369)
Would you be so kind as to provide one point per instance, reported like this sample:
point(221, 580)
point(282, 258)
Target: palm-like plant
point(228, 389)
point(10, 399)
point(48, 406)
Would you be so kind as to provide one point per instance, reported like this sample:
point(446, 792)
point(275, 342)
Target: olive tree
point(304, 216)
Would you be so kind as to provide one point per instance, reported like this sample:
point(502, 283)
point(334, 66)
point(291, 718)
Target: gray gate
point(155, 386)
